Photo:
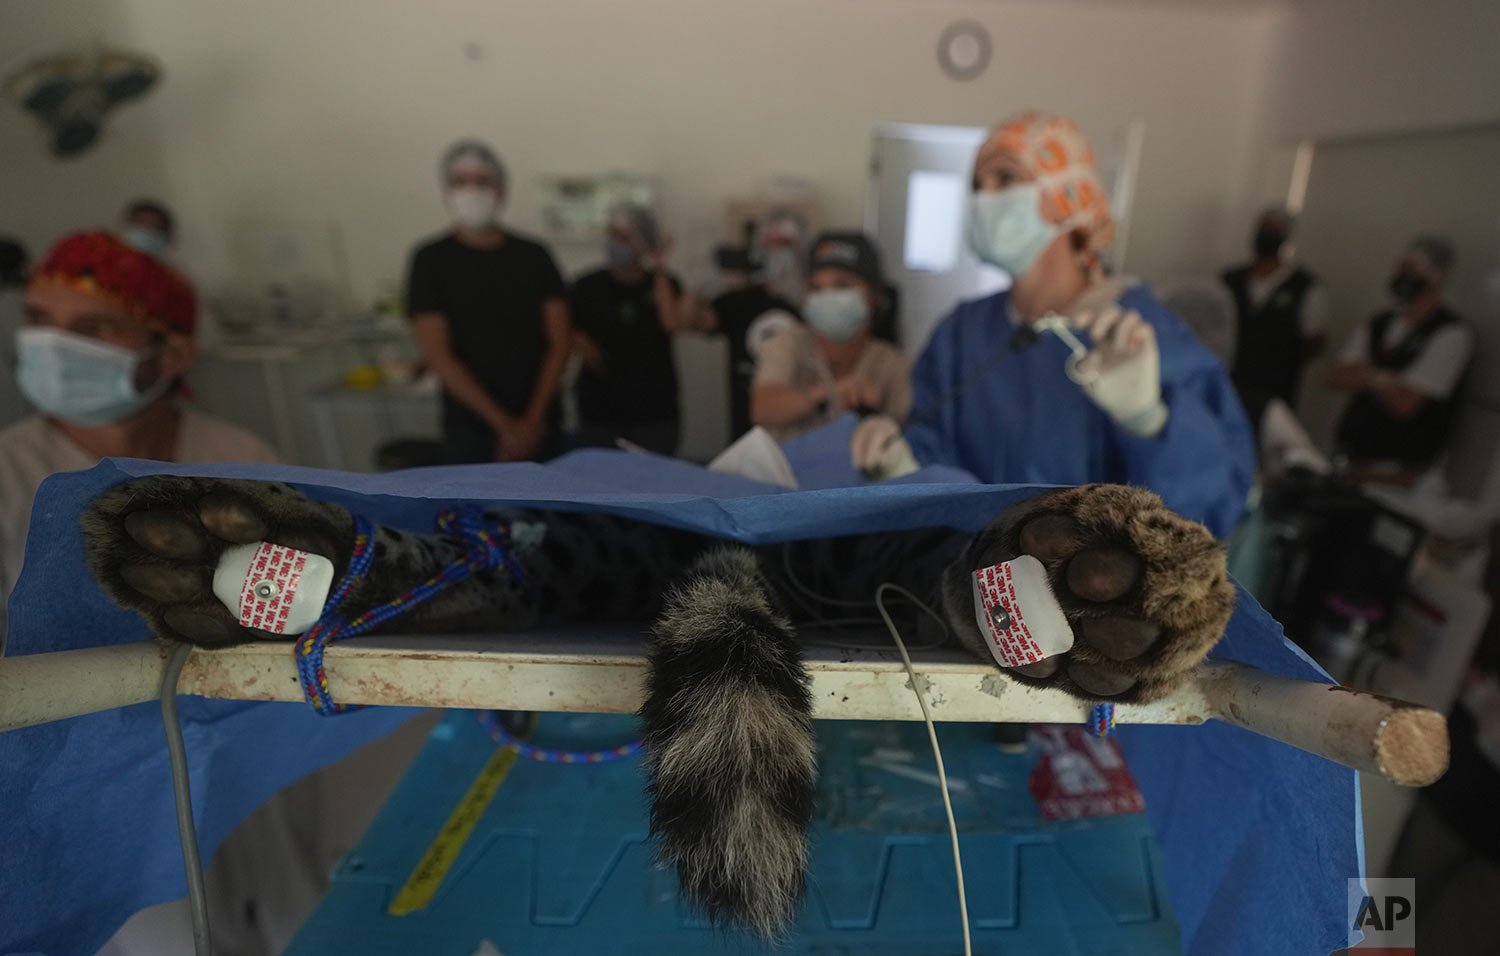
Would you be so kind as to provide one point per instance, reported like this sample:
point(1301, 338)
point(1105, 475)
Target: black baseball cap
point(850, 251)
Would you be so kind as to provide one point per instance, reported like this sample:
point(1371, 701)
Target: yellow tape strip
point(423, 883)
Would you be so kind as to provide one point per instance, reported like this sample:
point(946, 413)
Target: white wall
point(1351, 67)
point(1366, 77)
point(336, 111)
point(1341, 69)
point(1361, 211)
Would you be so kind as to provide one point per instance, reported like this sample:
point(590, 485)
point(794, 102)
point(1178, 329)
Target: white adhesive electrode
point(1018, 614)
point(273, 588)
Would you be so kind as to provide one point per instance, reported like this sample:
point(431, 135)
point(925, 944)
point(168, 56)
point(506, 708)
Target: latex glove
point(879, 450)
point(1122, 372)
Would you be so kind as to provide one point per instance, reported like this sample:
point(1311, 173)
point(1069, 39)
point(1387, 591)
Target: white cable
point(937, 753)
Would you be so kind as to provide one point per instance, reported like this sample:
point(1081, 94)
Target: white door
point(916, 210)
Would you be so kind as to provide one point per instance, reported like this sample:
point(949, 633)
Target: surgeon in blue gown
point(1147, 405)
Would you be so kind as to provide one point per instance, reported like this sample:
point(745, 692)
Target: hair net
point(474, 154)
point(784, 224)
point(639, 222)
point(1437, 251)
point(1054, 150)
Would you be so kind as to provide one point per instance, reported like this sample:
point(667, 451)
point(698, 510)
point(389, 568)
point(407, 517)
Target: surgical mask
point(80, 380)
point(1006, 228)
point(1406, 286)
point(1268, 243)
point(836, 314)
point(618, 254)
point(146, 240)
point(783, 273)
point(473, 207)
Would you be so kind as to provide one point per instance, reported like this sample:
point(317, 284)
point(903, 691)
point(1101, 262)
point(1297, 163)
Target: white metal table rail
point(603, 671)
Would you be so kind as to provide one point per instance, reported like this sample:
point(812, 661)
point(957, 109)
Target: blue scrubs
point(1026, 422)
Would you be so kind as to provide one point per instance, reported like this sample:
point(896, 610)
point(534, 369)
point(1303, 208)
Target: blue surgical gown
point(1025, 421)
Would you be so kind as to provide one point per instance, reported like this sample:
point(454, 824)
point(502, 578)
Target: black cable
point(1025, 337)
point(192, 864)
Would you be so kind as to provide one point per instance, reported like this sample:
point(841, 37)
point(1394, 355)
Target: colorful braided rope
point(489, 549)
point(491, 722)
point(1102, 720)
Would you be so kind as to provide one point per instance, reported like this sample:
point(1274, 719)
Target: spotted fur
point(1183, 588)
point(731, 755)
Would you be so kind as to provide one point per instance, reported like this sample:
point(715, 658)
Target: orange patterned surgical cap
point(1055, 151)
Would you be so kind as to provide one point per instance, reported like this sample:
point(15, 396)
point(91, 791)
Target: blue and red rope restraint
point(1102, 720)
point(491, 723)
point(489, 548)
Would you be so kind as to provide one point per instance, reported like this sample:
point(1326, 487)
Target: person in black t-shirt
point(490, 313)
point(626, 314)
point(751, 314)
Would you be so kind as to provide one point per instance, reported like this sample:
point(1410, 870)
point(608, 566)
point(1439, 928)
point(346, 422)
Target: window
point(935, 210)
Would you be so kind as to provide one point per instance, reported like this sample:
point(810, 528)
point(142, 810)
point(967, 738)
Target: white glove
point(878, 449)
point(1122, 372)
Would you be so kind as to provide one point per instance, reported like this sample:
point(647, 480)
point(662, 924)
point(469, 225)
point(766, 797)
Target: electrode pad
point(273, 588)
point(1018, 614)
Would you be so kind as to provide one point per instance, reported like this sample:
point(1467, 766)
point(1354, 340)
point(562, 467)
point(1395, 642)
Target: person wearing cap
point(490, 312)
point(1403, 369)
point(807, 375)
point(1281, 317)
point(625, 315)
point(1147, 404)
point(106, 339)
